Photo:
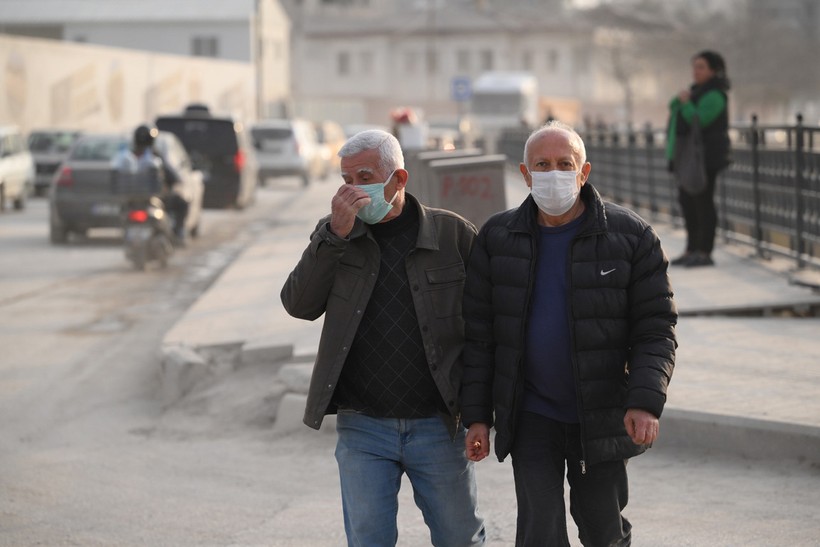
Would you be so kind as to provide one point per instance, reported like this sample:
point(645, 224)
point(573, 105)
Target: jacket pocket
point(446, 286)
point(349, 277)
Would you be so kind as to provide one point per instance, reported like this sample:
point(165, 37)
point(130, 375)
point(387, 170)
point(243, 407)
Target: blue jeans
point(373, 453)
point(543, 450)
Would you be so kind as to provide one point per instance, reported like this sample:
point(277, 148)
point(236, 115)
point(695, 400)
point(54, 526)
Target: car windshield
point(271, 133)
point(58, 141)
point(98, 148)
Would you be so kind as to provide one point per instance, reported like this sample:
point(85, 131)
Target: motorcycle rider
point(169, 179)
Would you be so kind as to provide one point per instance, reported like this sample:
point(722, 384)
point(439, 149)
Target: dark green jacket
point(336, 277)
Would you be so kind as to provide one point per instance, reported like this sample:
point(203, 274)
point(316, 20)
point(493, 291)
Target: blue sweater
point(549, 385)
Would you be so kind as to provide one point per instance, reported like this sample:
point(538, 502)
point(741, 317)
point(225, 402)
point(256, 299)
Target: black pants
point(177, 207)
point(542, 451)
point(700, 217)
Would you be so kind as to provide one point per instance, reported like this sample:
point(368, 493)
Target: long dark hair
point(716, 64)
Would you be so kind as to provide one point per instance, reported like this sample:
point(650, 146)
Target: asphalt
point(747, 369)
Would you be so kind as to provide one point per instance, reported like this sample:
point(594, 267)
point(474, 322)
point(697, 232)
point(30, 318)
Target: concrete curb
point(182, 368)
point(748, 438)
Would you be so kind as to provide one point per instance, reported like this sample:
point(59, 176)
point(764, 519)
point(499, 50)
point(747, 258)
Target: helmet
point(144, 135)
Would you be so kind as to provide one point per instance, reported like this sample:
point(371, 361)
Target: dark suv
point(220, 148)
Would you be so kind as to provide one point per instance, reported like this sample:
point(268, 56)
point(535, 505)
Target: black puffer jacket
point(622, 321)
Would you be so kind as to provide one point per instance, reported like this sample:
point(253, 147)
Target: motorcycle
point(148, 234)
point(147, 227)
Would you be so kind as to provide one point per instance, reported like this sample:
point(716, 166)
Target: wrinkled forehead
point(364, 163)
point(555, 143)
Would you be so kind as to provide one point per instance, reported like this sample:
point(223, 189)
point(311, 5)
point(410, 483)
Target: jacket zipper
point(575, 361)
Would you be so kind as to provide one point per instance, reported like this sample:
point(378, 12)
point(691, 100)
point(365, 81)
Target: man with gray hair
point(388, 272)
point(570, 345)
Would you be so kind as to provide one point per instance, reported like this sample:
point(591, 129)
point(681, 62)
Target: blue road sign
point(461, 89)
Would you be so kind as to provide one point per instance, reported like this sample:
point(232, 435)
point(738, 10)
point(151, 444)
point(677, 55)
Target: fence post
point(632, 184)
point(616, 174)
point(799, 163)
point(649, 140)
point(758, 229)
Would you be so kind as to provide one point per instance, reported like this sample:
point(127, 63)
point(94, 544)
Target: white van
point(16, 168)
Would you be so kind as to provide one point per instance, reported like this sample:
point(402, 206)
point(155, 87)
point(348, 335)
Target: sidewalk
point(747, 384)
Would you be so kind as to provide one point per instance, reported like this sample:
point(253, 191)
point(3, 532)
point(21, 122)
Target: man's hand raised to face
point(343, 208)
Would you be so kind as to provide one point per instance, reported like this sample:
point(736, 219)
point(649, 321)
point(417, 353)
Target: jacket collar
point(427, 237)
point(525, 218)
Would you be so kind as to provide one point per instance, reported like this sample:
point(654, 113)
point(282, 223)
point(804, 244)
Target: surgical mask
point(375, 211)
point(554, 191)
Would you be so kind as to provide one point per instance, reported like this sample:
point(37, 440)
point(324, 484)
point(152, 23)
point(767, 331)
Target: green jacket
point(709, 108)
point(336, 277)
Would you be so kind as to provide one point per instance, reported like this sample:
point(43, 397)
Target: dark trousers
point(542, 451)
point(177, 207)
point(700, 217)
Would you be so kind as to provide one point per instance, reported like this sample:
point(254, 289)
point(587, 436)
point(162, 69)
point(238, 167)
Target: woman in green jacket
point(707, 98)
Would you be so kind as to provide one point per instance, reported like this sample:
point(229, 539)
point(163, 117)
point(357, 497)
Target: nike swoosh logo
point(607, 272)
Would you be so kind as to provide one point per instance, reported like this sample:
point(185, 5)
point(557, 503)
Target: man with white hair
point(388, 272)
point(570, 345)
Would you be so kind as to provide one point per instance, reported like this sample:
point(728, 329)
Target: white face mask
point(555, 192)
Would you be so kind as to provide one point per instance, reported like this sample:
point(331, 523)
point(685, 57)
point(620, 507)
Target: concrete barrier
point(471, 186)
point(417, 163)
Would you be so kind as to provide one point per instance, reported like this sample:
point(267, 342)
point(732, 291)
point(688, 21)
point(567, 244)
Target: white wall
point(45, 83)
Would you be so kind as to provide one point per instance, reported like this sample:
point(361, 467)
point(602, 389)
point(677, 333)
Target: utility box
point(470, 186)
point(418, 165)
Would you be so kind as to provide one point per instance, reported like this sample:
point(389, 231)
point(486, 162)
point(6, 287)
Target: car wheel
point(58, 233)
point(2, 197)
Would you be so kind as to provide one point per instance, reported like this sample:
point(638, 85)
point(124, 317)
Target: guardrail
point(768, 198)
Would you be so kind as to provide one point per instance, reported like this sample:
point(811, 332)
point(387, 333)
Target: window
point(487, 59)
point(432, 62)
point(205, 46)
point(552, 60)
point(526, 60)
point(343, 63)
point(463, 61)
point(366, 61)
point(411, 62)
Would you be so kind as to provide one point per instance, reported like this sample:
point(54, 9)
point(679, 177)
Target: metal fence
point(768, 198)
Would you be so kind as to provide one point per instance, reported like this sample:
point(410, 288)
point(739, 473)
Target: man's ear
point(585, 172)
point(402, 177)
point(526, 174)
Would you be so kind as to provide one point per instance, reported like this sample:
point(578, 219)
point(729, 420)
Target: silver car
point(287, 147)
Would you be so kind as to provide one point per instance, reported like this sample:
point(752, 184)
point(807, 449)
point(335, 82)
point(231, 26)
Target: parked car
point(221, 149)
point(288, 147)
point(83, 193)
point(16, 168)
point(49, 147)
point(331, 138)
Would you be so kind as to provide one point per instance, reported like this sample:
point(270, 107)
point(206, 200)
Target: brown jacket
point(336, 277)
